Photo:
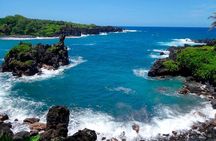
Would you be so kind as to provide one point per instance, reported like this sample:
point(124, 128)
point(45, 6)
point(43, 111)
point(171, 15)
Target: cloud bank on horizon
point(116, 12)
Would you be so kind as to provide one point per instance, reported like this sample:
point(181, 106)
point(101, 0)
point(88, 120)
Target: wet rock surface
point(83, 135)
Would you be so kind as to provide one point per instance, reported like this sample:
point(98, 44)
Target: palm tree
point(213, 17)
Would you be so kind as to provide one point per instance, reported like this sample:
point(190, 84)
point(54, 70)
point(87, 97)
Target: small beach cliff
point(27, 59)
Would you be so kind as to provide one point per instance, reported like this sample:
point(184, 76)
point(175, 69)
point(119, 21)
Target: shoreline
point(29, 37)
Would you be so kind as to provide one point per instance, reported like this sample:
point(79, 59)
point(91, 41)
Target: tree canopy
point(20, 25)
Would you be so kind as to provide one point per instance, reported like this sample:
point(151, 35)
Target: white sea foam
point(103, 33)
point(108, 127)
point(168, 119)
point(128, 31)
point(122, 90)
point(180, 42)
point(74, 61)
point(161, 51)
point(40, 38)
point(158, 56)
point(15, 107)
point(140, 72)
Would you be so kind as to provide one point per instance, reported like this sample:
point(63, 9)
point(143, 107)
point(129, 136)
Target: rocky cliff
point(27, 59)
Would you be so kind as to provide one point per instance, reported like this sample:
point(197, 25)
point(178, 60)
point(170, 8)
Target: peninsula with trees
point(20, 26)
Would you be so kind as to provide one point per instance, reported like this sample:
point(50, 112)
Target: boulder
point(136, 127)
point(3, 117)
point(37, 126)
point(31, 120)
point(57, 116)
point(21, 136)
point(57, 123)
point(83, 135)
point(5, 133)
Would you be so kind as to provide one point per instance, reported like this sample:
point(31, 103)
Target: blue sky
point(116, 12)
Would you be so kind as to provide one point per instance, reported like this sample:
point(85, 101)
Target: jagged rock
point(57, 115)
point(4, 117)
point(83, 135)
point(57, 123)
point(31, 120)
point(5, 133)
point(21, 136)
point(184, 91)
point(158, 69)
point(136, 128)
point(26, 59)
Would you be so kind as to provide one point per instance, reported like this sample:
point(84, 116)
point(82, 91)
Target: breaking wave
point(180, 42)
point(143, 73)
point(74, 61)
point(106, 125)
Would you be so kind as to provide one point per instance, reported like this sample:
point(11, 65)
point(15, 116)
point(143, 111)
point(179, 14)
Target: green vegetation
point(200, 62)
point(22, 64)
point(20, 49)
point(171, 65)
point(5, 138)
point(53, 49)
point(35, 138)
point(9, 138)
point(19, 25)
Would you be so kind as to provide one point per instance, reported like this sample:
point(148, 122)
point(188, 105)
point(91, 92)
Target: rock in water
point(26, 59)
point(57, 115)
point(57, 123)
point(31, 120)
point(83, 135)
point(3, 117)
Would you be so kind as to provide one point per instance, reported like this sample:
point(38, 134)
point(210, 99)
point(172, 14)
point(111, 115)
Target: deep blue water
point(111, 80)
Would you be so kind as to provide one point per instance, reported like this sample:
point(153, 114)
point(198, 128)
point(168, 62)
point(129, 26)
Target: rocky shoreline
point(55, 128)
point(202, 131)
point(26, 59)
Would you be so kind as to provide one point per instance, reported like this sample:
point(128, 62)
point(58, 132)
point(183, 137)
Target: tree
point(213, 17)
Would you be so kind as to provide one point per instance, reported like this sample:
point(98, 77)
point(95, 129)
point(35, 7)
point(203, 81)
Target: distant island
point(20, 26)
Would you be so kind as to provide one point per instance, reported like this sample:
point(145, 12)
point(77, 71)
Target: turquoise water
point(106, 87)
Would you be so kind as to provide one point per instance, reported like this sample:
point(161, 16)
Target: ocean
point(106, 86)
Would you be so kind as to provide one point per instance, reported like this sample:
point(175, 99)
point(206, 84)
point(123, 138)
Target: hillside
point(21, 26)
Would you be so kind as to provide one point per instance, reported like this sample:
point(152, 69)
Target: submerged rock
point(26, 59)
point(83, 135)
